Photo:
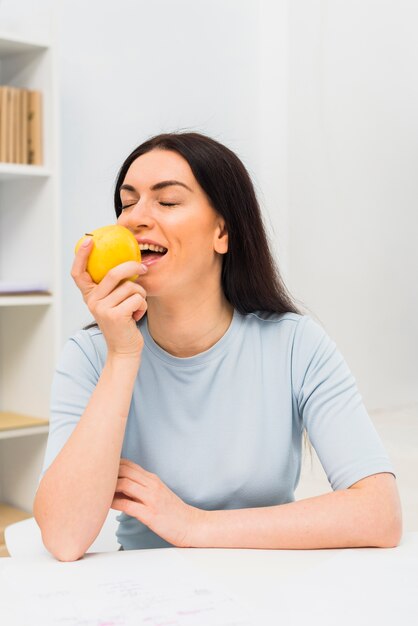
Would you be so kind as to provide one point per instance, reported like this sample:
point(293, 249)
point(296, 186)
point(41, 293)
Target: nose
point(137, 216)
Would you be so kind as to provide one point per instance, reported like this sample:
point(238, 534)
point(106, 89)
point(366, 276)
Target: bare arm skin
point(76, 492)
point(368, 514)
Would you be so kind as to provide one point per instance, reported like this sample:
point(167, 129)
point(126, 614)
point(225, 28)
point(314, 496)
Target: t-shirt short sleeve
point(74, 381)
point(332, 410)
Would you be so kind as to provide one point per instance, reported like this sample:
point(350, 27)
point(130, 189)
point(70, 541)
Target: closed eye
point(126, 206)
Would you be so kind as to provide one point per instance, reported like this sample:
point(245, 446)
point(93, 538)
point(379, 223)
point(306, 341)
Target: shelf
point(10, 515)
point(13, 44)
point(30, 235)
point(10, 171)
point(3, 551)
point(24, 432)
point(17, 425)
point(26, 299)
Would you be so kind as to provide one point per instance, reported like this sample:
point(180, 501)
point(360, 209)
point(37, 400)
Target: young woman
point(185, 405)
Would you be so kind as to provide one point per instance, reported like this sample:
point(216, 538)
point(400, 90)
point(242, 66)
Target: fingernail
point(86, 242)
point(144, 267)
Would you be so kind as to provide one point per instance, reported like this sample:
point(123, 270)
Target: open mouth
point(150, 253)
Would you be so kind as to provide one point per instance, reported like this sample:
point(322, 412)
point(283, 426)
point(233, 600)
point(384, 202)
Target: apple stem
point(89, 234)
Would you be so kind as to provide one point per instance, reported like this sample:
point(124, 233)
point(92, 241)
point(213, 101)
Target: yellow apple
point(112, 245)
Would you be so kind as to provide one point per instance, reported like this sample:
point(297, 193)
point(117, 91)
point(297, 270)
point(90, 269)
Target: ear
point(220, 242)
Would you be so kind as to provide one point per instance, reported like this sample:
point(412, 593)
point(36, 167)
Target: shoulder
point(88, 338)
point(85, 345)
point(268, 317)
point(294, 325)
point(301, 335)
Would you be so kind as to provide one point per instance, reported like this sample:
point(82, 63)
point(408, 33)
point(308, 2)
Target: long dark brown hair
point(251, 280)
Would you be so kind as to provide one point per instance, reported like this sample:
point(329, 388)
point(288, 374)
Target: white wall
point(318, 99)
point(133, 68)
point(353, 157)
point(141, 68)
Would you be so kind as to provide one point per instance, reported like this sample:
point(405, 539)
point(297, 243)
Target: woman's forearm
point(75, 493)
point(355, 517)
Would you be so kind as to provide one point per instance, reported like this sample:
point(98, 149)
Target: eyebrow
point(161, 185)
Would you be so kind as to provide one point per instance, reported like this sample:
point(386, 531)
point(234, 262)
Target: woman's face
point(163, 204)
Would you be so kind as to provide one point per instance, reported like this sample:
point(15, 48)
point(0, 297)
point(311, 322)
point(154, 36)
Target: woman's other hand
point(143, 495)
point(115, 303)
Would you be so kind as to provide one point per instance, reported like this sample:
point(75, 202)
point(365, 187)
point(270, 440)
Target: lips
point(150, 258)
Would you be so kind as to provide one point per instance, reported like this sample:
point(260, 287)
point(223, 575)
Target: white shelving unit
point(29, 252)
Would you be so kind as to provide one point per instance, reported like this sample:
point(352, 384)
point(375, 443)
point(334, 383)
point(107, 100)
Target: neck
point(185, 330)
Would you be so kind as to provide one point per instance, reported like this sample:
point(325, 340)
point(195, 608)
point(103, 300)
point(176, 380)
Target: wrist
point(123, 366)
point(123, 357)
point(199, 528)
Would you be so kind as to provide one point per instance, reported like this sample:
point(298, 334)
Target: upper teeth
point(150, 246)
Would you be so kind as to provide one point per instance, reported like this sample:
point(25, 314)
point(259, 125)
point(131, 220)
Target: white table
point(356, 587)
point(364, 586)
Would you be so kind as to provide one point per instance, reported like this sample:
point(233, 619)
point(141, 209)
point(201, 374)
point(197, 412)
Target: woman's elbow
point(69, 556)
point(392, 531)
point(388, 523)
point(57, 545)
point(63, 551)
point(61, 547)
point(382, 511)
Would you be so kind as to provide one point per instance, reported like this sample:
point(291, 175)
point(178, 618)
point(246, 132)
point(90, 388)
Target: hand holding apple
point(116, 301)
point(113, 245)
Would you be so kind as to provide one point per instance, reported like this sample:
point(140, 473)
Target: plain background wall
point(319, 100)
point(353, 156)
point(134, 68)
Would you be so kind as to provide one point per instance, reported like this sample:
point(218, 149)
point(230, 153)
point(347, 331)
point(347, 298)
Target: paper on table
point(16, 287)
point(150, 587)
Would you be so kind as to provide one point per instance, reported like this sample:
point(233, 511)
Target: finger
point(117, 502)
point(138, 474)
point(131, 488)
point(138, 314)
point(79, 272)
point(117, 274)
point(131, 508)
point(133, 473)
point(122, 292)
point(130, 463)
point(131, 305)
point(134, 466)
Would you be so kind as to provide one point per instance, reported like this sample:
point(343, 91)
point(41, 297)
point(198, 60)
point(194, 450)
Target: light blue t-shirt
point(223, 429)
